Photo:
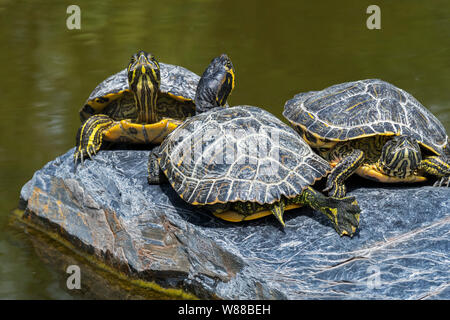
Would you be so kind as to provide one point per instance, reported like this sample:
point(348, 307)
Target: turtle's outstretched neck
point(215, 85)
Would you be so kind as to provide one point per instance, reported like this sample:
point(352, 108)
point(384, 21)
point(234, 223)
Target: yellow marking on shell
point(97, 103)
point(334, 140)
point(354, 106)
point(179, 98)
point(371, 171)
point(320, 141)
point(429, 148)
point(234, 216)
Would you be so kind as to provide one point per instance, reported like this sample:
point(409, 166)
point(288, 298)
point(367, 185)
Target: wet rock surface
point(106, 207)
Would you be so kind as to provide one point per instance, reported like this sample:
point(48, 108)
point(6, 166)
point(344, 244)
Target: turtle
point(242, 163)
point(374, 129)
point(145, 102)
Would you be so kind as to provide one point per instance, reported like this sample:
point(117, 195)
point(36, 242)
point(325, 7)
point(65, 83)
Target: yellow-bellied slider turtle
point(374, 129)
point(145, 102)
point(243, 163)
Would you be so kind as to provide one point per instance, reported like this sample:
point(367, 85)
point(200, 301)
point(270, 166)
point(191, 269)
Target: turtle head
point(447, 150)
point(144, 80)
point(400, 157)
point(215, 85)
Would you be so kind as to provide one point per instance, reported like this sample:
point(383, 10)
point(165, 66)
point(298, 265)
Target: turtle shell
point(363, 108)
point(178, 87)
point(240, 153)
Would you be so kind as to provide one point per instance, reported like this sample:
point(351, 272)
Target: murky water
point(278, 48)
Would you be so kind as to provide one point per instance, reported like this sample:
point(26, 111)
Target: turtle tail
point(278, 210)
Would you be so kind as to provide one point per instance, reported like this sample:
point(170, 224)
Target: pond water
point(278, 48)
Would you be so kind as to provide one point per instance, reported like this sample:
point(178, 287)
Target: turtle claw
point(85, 153)
point(445, 181)
point(89, 153)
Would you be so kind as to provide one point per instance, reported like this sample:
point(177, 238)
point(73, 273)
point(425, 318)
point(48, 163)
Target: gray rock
point(106, 207)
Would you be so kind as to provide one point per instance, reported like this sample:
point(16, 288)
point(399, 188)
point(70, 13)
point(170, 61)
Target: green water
point(278, 48)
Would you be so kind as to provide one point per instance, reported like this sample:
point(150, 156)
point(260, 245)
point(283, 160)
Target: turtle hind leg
point(240, 211)
point(438, 166)
point(90, 136)
point(343, 213)
point(342, 171)
point(155, 174)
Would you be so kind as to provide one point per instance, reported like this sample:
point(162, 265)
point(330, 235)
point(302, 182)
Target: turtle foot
point(344, 213)
point(445, 181)
point(90, 136)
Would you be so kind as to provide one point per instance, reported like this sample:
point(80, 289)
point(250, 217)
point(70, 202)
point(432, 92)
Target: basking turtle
point(242, 163)
point(145, 102)
point(374, 129)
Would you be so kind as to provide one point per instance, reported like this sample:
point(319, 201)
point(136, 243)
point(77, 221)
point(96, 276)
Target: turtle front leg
point(343, 213)
point(438, 166)
point(342, 171)
point(90, 136)
point(155, 174)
